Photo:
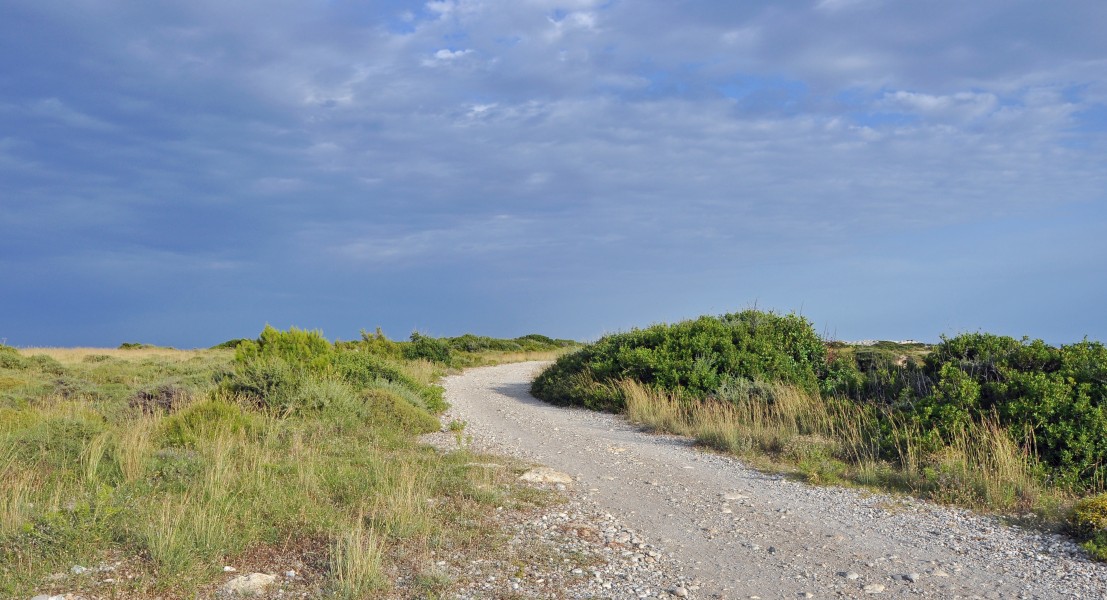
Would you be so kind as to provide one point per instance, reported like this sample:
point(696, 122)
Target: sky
point(182, 173)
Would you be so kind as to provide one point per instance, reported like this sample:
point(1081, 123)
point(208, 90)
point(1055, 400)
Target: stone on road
point(713, 517)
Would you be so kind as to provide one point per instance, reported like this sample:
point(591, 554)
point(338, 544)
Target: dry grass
point(77, 355)
point(785, 429)
point(514, 357)
point(356, 562)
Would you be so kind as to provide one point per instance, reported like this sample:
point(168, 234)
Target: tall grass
point(356, 562)
point(785, 428)
point(88, 475)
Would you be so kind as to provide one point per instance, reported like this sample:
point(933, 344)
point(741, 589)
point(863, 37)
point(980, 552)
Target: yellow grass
point(830, 441)
point(76, 355)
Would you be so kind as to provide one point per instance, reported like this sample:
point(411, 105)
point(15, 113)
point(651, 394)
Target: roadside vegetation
point(153, 468)
point(979, 420)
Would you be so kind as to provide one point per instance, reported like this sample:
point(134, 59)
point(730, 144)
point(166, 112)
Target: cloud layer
point(185, 174)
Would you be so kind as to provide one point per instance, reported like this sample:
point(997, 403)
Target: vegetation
point(167, 465)
point(978, 419)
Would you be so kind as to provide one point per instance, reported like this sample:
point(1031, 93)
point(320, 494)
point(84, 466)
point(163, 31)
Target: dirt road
point(741, 533)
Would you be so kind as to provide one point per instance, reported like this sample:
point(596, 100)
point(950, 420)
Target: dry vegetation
point(165, 465)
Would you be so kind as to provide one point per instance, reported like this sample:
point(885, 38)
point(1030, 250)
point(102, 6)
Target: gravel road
point(738, 533)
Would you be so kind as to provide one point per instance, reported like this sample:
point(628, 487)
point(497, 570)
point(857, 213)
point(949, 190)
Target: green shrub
point(362, 369)
point(1056, 397)
point(10, 358)
point(328, 396)
point(46, 364)
point(691, 356)
point(379, 344)
point(388, 409)
point(296, 347)
point(204, 421)
point(427, 348)
point(232, 344)
point(269, 381)
point(1089, 522)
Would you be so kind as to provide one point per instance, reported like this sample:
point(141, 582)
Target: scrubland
point(1017, 427)
point(153, 468)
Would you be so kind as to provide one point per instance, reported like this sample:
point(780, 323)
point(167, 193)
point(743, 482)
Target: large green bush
point(693, 357)
point(1053, 398)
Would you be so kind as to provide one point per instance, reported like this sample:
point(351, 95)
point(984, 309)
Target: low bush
point(1089, 522)
point(424, 347)
point(10, 358)
point(389, 410)
point(204, 421)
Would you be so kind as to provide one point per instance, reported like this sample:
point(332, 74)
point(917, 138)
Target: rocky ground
point(694, 524)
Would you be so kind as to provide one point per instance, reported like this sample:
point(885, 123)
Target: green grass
point(172, 464)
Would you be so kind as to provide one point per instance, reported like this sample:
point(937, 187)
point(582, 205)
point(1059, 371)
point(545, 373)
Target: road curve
point(742, 533)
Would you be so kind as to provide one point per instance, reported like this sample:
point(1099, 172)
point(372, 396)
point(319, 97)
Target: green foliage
point(268, 380)
point(1054, 397)
point(202, 421)
point(231, 344)
point(389, 410)
point(46, 364)
point(10, 358)
point(379, 344)
point(1088, 521)
point(53, 443)
point(427, 348)
point(296, 347)
point(364, 370)
point(693, 356)
point(527, 343)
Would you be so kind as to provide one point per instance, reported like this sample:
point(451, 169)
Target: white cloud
point(55, 109)
point(961, 105)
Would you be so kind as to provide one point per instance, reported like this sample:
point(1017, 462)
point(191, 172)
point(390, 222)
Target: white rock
point(229, 569)
point(249, 585)
point(873, 588)
point(545, 475)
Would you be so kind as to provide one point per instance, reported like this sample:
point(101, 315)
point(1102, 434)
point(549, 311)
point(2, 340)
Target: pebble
point(249, 585)
point(951, 551)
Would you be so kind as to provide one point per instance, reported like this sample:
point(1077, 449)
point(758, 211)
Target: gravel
point(669, 520)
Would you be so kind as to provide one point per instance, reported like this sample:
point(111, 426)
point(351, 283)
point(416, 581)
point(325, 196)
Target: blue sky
point(183, 174)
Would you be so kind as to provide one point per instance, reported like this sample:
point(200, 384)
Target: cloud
point(554, 140)
point(56, 110)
